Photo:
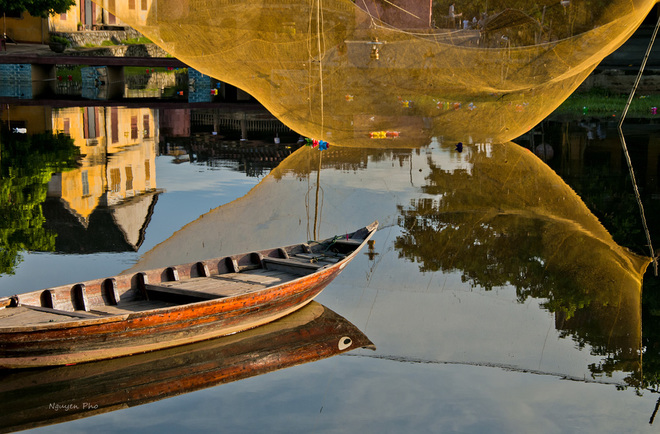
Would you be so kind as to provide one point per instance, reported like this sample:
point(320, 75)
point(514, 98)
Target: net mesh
point(354, 73)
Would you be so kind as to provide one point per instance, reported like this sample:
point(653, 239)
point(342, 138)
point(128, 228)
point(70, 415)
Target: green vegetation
point(37, 8)
point(60, 40)
point(600, 102)
point(72, 70)
point(27, 163)
point(111, 43)
point(139, 70)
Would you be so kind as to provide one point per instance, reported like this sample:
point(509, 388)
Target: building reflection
point(106, 202)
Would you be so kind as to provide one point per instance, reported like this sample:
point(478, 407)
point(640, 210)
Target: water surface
point(496, 298)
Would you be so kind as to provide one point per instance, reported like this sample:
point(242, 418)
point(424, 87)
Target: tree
point(36, 8)
point(25, 168)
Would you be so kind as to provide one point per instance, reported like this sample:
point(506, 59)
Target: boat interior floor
point(222, 285)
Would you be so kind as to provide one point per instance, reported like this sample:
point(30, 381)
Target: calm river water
point(500, 292)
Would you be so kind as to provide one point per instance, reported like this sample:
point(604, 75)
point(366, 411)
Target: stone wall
point(79, 40)
point(133, 50)
point(97, 37)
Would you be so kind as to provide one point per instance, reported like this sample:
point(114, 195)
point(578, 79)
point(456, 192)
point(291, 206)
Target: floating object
point(383, 134)
point(322, 144)
point(167, 307)
point(544, 152)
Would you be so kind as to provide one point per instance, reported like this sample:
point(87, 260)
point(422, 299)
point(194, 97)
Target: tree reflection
point(509, 220)
point(26, 165)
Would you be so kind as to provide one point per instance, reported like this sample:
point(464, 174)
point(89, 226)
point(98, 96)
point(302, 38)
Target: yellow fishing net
point(398, 71)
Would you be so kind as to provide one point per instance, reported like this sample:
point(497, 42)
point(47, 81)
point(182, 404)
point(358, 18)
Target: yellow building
point(104, 204)
point(118, 146)
point(84, 15)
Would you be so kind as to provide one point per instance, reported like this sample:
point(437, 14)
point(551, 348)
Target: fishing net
point(393, 72)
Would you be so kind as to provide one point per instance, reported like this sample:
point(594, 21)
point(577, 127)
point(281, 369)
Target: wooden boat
point(46, 396)
point(166, 307)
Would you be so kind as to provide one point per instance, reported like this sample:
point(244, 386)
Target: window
point(18, 127)
point(85, 184)
point(115, 180)
point(147, 170)
point(134, 129)
point(114, 125)
point(131, 5)
point(67, 127)
point(111, 18)
point(129, 178)
point(145, 126)
point(90, 122)
point(143, 5)
point(63, 17)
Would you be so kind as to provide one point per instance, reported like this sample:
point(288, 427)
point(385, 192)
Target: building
point(84, 15)
point(104, 204)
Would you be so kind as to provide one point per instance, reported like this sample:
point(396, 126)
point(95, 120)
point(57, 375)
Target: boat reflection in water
point(33, 398)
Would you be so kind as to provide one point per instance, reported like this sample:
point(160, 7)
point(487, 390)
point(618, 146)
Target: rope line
point(625, 147)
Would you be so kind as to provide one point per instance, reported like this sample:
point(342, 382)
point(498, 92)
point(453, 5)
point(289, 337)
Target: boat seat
point(290, 265)
point(350, 242)
point(345, 246)
point(311, 258)
point(74, 314)
point(172, 289)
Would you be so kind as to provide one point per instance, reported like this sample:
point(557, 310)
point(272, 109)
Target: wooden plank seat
point(312, 258)
point(291, 265)
point(74, 314)
point(349, 242)
point(174, 289)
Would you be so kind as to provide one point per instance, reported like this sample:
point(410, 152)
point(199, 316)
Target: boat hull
point(150, 331)
point(91, 336)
